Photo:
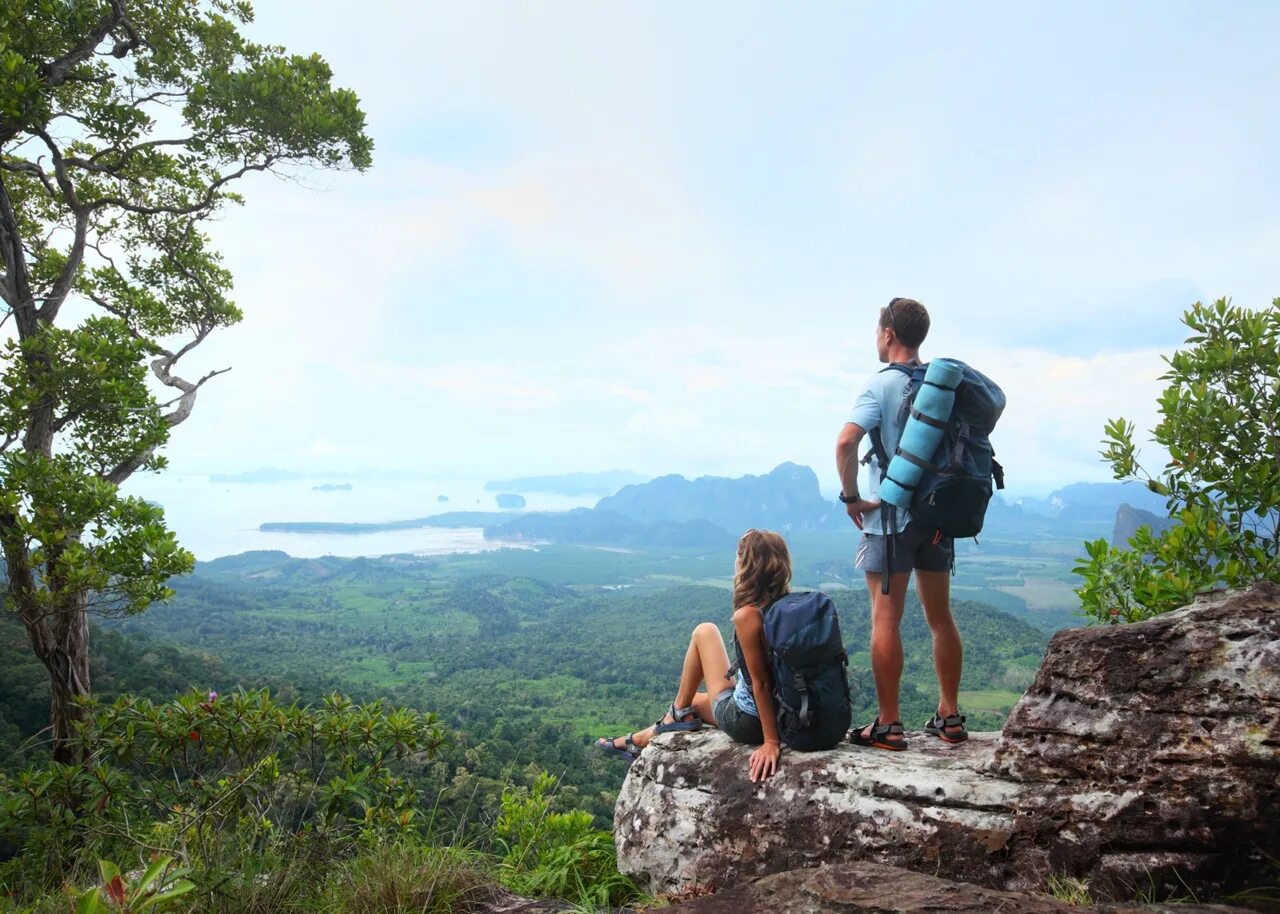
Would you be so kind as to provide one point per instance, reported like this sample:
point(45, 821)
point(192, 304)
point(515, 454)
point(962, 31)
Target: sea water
point(213, 519)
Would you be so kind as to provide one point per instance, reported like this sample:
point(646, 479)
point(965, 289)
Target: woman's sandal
point(608, 747)
point(882, 736)
point(949, 729)
point(681, 719)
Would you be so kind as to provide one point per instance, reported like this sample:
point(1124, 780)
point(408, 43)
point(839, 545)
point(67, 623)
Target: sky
point(656, 236)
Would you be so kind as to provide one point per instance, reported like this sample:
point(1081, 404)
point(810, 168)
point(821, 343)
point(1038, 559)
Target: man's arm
point(847, 467)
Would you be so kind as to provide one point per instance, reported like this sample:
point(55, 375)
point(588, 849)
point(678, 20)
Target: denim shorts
point(741, 726)
point(914, 548)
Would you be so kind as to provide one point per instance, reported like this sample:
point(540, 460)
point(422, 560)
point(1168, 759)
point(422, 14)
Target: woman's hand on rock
point(764, 761)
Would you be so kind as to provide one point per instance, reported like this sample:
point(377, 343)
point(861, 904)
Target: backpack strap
point(940, 424)
point(877, 449)
point(878, 452)
point(921, 463)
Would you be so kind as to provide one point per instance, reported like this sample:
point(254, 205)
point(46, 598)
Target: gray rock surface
point(1145, 759)
point(872, 888)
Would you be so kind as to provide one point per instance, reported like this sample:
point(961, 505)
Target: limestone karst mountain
point(786, 498)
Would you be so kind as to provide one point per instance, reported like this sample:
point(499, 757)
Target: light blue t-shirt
point(879, 406)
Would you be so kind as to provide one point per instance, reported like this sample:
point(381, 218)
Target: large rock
point(871, 888)
point(1144, 759)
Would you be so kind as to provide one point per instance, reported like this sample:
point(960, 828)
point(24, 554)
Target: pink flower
point(213, 696)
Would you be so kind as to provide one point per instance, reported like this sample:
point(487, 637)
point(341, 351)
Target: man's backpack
point(952, 495)
point(809, 668)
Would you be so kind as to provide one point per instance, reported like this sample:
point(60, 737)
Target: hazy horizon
point(657, 238)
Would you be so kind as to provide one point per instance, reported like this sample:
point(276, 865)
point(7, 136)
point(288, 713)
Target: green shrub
point(236, 787)
point(1220, 423)
point(557, 854)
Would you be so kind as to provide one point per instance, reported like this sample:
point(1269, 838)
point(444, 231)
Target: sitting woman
point(741, 706)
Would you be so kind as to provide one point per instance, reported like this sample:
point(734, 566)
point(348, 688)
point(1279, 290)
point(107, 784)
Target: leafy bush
point(233, 786)
point(557, 854)
point(1220, 422)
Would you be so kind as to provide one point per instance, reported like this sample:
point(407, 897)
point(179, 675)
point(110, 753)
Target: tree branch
point(55, 72)
point(204, 203)
point(162, 368)
point(18, 286)
point(75, 256)
point(92, 164)
point(21, 166)
point(60, 171)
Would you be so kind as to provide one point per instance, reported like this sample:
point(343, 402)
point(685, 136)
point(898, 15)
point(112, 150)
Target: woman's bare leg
point(705, 661)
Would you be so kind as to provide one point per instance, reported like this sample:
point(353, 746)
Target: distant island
point(442, 498)
point(509, 501)
point(572, 484)
point(332, 487)
point(452, 519)
point(261, 476)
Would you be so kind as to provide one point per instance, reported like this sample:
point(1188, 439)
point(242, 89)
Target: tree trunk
point(63, 648)
point(68, 666)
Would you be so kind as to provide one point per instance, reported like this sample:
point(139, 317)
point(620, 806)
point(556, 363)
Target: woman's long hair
point(764, 569)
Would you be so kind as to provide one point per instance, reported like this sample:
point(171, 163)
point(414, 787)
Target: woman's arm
point(749, 625)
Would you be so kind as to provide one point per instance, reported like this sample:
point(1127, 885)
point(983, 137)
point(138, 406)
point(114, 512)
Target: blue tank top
point(743, 697)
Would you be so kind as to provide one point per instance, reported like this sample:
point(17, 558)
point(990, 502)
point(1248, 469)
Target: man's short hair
point(908, 320)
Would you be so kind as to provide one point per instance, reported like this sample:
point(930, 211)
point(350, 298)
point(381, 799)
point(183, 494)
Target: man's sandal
point(949, 729)
point(608, 747)
point(681, 719)
point(881, 736)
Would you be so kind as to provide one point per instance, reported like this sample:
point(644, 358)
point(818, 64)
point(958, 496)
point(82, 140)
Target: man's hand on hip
point(858, 508)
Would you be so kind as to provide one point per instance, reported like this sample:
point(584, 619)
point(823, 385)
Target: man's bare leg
point(886, 642)
point(934, 589)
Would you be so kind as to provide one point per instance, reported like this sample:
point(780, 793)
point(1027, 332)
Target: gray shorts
point(914, 548)
point(741, 726)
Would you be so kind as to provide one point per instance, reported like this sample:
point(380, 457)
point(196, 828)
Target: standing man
point(901, 330)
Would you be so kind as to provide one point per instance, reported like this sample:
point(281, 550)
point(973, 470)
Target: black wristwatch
point(849, 499)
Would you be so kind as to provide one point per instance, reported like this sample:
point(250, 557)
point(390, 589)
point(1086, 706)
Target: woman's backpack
point(809, 667)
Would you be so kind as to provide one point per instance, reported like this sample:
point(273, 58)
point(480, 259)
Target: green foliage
point(267, 807)
point(154, 890)
point(557, 854)
point(408, 877)
point(1220, 422)
point(232, 784)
